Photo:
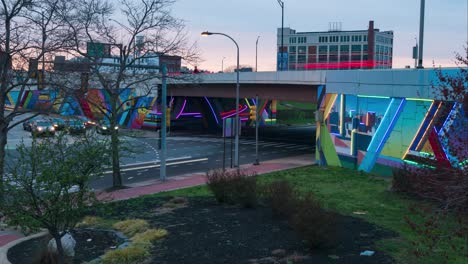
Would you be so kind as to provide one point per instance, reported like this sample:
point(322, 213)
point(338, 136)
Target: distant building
point(104, 61)
point(335, 49)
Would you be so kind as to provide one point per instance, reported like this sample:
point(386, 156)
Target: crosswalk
point(246, 142)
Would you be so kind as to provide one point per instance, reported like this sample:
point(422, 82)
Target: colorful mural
point(377, 133)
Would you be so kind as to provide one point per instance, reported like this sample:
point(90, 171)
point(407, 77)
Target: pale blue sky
point(445, 28)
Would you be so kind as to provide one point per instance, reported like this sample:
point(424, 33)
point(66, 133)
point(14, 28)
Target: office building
point(335, 49)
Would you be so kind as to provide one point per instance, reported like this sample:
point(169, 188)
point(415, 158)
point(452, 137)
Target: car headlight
point(39, 129)
point(52, 128)
point(116, 127)
point(104, 128)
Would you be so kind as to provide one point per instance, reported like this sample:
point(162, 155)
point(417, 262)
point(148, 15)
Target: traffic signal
point(253, 113)
point(168, 117)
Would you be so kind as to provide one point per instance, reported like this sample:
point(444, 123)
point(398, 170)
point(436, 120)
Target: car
point(59, 123)
point(27, 124)
point(76, 126)
point(104, 128)
point(42, 128)
point(86, 121)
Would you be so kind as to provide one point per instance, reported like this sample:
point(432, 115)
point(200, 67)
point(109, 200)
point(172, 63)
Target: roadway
point(189, 153)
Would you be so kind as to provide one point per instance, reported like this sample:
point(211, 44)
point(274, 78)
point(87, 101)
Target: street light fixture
point(236, 123)
point(281, 3)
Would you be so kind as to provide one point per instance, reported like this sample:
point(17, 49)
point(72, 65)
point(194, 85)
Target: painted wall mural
point(374, 134)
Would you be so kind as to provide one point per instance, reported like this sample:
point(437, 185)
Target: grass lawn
point(347, 192)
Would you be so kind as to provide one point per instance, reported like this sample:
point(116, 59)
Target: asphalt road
point(191, 153)
point(195, 154)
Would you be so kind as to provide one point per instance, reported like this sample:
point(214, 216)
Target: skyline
point(446, 27)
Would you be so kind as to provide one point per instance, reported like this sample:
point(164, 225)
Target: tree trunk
point(116, 177)
point(3, 142)
point(61, 256)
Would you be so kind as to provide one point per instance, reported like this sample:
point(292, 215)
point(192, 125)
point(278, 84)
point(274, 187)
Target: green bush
point(130, 255)
point(313, 223)
point(132, 226)
point(233, 187)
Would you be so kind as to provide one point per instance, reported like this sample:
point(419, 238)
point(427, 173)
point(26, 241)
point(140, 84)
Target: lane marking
point(159, 165)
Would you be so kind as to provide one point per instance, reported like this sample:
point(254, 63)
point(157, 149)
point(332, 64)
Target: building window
point(365, 47)
point(292, 40)
point(301, 59)
point(323, 49)
point(333, 48)
point(302, 40)
point(302, 49)
point(356, 48)
point(365, 38)
point(292, 49)
point(344, 48)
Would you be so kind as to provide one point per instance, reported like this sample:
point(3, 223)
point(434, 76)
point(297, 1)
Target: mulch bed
point(206, 232)
point(30, 251)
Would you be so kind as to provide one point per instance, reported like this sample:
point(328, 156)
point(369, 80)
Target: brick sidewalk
point(183, 181)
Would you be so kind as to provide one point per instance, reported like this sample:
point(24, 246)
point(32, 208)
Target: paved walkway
point(183, 181)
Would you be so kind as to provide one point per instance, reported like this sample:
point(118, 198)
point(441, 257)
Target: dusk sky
point(446, 26)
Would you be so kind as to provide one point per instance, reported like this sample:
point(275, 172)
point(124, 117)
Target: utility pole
point(421, 35)
point(162, 169)
point(281, 3)
point(256, 131)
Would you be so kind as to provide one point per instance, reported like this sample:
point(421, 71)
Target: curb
point(5, 248)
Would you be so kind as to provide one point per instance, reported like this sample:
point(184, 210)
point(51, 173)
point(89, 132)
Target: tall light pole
point(421, 35)
point(256, 52)
point(281, 3)
point(236, 123)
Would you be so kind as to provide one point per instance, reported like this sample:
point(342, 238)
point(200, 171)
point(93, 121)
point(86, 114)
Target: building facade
point(335, 49)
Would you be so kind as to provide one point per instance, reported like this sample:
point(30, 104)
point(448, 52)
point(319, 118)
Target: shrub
point(149, 236)
point(281, 197)
point(313, 223)
point(233, 187)
point(446, 186)
point(129, 255)
point(132, 226)
point(89, 221)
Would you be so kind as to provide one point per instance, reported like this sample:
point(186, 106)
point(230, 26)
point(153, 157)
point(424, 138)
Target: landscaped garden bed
point(90, 244)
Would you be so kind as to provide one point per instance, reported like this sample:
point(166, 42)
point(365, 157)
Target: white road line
point(154, 161)
point(295, 146)
point(158, 165)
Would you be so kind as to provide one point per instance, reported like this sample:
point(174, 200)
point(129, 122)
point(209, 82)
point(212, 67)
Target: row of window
point(334, 39)
point(334, 48)
point(382, 39)
point(298, 39)
point(336, 58)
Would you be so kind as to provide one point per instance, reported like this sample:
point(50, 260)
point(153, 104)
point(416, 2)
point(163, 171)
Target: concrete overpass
point(290, 86)
point(302, 86)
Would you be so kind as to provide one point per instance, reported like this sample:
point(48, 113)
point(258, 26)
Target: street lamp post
point(256, 52)
point(237, 125)
point(281, 3)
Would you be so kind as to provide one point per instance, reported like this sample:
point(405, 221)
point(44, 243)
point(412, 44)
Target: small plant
point(132, 226)
point(149, 236)
point(313, 223)
point(90, 221)
point(129, 255)
point(281, 197)
point(235, 187)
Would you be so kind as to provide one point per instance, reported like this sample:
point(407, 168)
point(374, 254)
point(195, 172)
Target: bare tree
point(30, 31)
point(118, 43)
